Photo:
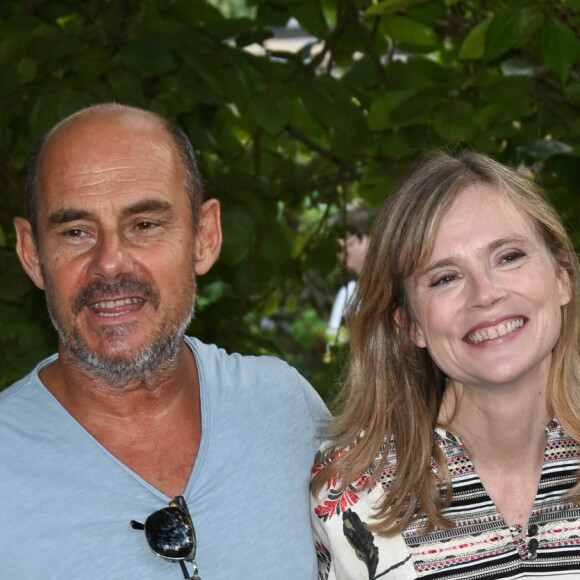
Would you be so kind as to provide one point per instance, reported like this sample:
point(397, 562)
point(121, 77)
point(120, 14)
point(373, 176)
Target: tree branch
point(326, 153)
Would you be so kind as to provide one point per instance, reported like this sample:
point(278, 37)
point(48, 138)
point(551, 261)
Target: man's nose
point(111, 256)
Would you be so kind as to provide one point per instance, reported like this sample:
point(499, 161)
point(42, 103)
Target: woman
point(456, 454)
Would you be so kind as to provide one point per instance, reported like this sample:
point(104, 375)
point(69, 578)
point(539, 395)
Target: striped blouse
point(480, 546)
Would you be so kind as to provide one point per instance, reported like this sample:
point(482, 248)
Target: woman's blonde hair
point(393, 390)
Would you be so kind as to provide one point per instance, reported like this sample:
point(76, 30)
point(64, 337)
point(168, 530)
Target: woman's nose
point(484, 290)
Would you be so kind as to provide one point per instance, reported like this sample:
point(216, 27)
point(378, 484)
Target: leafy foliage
point(285, 138)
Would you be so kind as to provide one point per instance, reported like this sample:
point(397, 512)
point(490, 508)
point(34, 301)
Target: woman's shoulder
point(335, 496)
point(341, 518)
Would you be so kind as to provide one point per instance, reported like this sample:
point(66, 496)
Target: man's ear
point(27, 251)
point(209, 238)
point(415, 332)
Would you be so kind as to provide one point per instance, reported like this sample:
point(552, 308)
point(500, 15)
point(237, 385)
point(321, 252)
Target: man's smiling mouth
point(115, 307)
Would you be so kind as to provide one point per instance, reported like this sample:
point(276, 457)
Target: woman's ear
point(27, 251)
point(209, 237)
point(403, 319)
point(564, 285)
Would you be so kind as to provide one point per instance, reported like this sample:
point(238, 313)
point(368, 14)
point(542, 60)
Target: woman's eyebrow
point(491, 247)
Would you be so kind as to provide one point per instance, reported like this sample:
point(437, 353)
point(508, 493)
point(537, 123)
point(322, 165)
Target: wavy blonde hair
point(393, 389)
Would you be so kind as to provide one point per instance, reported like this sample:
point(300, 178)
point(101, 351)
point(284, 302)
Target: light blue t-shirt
point(66, 503)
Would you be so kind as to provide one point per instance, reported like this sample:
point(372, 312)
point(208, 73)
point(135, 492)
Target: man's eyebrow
point(147, 206)
point(68, 215)
point(64, 216)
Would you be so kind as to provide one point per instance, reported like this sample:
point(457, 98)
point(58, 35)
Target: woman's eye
point(443, 280)
point(512, 256)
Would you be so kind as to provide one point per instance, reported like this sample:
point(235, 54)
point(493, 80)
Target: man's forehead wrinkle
point(89, 165)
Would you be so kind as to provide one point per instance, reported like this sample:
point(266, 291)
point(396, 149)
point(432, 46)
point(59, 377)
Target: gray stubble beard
point(151, 361)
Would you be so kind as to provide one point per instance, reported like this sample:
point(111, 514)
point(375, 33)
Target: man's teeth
point(106, 304)
point(495, 331)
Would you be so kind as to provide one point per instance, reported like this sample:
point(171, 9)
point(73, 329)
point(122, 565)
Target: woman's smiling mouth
point(491, 332)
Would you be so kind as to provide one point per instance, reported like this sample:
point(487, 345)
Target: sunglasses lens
point(170, 534)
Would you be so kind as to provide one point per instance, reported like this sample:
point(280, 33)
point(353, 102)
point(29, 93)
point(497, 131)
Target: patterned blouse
point(480, 546)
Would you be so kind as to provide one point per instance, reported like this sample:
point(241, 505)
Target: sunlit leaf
point(544, 149)
point(390, 6)
point(473, 46)
point(410, 34)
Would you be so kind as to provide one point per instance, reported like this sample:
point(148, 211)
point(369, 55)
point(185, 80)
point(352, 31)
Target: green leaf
point(249, 75)
point(377, 182)
point(147, 57)
point(379, 117)
point(203, 66)
point(572, 92)
point(560, 47)
point(391, 6)
point(310, 15)
point(276, 240)
point(508, 29)
point(271, 109)
point(409, 34)
point(362, 75)
point(27, 70)
point(517, 67)
point(544, 149)
point(239, 232)
point(473, 47)
point(456, 122)
point(126, 87)
point(508, 90)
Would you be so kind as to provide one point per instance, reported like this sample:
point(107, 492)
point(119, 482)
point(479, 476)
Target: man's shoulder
point(248, 375)
point(12, 392)
point(212, 355)
point(22, 388)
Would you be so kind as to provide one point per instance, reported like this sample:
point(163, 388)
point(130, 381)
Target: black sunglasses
point(170, 534)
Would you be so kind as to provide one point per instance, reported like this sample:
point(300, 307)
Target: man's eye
point(75, 233)
point(145, 225)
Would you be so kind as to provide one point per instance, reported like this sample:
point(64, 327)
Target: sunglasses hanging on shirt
point(171, 535)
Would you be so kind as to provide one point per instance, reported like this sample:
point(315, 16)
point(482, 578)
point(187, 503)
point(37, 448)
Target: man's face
point(116, 247)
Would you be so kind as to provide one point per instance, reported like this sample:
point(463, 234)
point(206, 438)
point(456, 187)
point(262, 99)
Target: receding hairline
point(113, 111)
point(132, 120)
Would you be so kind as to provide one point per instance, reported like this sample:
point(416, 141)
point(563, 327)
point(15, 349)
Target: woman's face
point(486, 305)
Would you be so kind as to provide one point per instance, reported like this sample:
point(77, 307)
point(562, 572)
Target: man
point(131, 414)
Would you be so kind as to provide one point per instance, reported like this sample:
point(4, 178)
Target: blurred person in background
point(354, 241)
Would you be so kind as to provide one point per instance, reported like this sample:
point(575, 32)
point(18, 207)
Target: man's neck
point(153, 428)
point(79, 390)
